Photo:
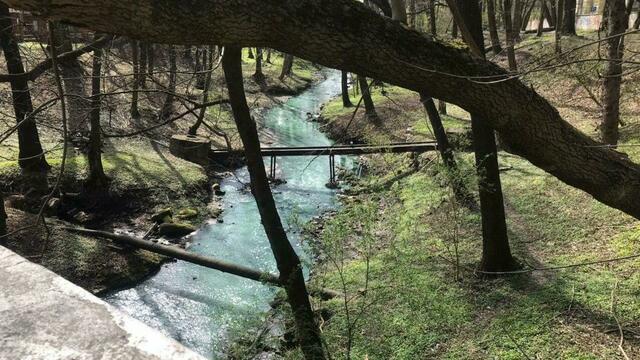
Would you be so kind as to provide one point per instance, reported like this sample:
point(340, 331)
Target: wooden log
point(173, 252)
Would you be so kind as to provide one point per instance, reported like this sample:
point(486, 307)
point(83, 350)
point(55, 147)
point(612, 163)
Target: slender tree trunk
point(97, 178)
point(346, 100)
point(193, 130)
point(287, 65)
point(135, 59)
point(289, 266)
point(446, 151)
point(569, 18)
point(370, 109)
point(3, 220)
point(31, 158)
point(617, 25)
point(78, 104)
point(517, 20)
point(496, 253)
point(541, 19)
point(399, 10)
point(167, 107)
point(527, 16)
point(151, 57)
point(144, 58)
point(508, 29)
point(251, 56)
point(258, 76)
point(559, 22)
point(268, 56)
point(550, 15)
point(493, 27)
point(412, 14)
point(433, 25)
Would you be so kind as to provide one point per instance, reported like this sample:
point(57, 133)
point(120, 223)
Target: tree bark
point(167, 107)
point(517, 20)
point(348, 36)
point(135, 60)
point(289, 266)
point(399, 10)
point(550, 15)
point(287, 65)
point(258, 76)
point(493, 27)
point(617, 25)
point(541, 19)
point(433, 25)
point(370, 108)
point(31, 157)
point(97, 178)
point(508, 29)
point(496, 252)
point(559, 22)
point(569, 18)
point(144, 59)
point(412, 14)
point(346, 100)
point(78, 103)
point(193, 130)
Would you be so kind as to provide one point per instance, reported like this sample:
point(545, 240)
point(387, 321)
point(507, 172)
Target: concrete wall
point(43, 316)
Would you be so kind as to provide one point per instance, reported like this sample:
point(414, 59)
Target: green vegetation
point(410, 297)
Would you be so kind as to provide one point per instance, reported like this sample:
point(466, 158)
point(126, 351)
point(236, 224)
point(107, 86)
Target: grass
point(408, 301)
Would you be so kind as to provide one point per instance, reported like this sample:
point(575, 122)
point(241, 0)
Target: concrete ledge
point(43, 316)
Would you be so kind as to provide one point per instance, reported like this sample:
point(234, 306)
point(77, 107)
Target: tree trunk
point(289, 266)
point(151, 59)
point(144, 58)
point(251, 56)
point(412, 14)
point(569, 18)
point(258, 76)
point(399, 10)
point(97, 178)
point(550, 15)
point(433, 25)
point(135, 59)
point(346, 100)
point(78, 104)
point(508, 29)
point(193, 130)
point(167, 107)
point(370, 109)
point(517, 20)
point(493, 27)
point(527, 16)
point(617, 25)
point(31, 158)
point(382, 49)
point(496, 253)
point(446, 151)
point(541, 19)
point(3, 218)
point(287, 65)
point(559, 22)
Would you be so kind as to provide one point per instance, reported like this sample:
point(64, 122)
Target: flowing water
point(198, 306)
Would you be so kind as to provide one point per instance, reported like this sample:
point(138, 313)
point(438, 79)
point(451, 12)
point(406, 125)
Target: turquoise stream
point(199, 306)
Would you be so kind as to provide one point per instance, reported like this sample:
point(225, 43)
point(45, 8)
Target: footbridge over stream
point(198, 150)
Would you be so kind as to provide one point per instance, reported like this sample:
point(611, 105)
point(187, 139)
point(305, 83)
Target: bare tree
point(31, 156)
point(97, 178)
point(346, 100)
point(167, 107)
point(493, 27)
point(289, 266)
point(617, 24)
point(135, 59)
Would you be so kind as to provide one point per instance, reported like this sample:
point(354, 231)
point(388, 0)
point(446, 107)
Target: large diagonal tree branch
point(346, 35)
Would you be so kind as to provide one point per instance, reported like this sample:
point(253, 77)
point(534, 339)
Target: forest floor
point(145, 177)
point(404, 251)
